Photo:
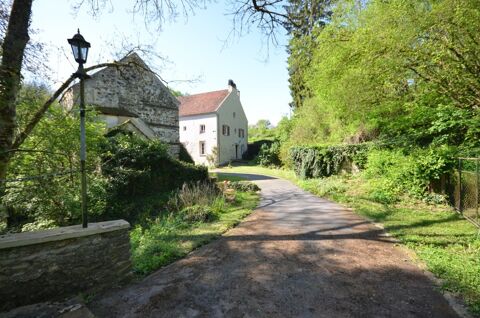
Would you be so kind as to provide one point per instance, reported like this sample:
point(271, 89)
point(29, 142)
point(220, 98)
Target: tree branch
point(20, 138)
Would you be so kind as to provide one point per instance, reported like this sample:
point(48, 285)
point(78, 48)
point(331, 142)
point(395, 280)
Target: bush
point(194, 193)
point(324, 161)
point(269, 155)
point(46, 191)
point(197, 213)
point(141, 175)
point(253, 149)
point(392, 173)
point(244, 186)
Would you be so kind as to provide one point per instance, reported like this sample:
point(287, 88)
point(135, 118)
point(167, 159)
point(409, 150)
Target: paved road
point(296, 256)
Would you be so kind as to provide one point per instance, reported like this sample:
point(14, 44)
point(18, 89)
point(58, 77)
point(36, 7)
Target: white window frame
point(202, 148)
point(202, 128)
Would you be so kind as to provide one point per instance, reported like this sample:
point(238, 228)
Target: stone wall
point(136, 89)
point(57, 263)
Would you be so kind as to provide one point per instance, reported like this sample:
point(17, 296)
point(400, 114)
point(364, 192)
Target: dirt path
point(296, 256)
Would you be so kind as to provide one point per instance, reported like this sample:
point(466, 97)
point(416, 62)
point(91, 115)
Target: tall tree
point(270, 15)
point(15, 37)
point(402, 70)
point(309, 16)
point(13, 49)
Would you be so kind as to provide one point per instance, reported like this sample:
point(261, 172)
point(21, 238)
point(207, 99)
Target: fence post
point(460, 188)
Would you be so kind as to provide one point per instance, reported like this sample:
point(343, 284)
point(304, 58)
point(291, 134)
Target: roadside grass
point(169, 237)
point(448, 245)
point(224, 177)
point(272, 172)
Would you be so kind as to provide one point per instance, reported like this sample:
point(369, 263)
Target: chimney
point(232, 84)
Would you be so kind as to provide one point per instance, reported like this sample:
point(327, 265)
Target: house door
point(236, 151)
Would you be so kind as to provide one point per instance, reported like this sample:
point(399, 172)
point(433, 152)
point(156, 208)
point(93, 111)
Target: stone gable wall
point(137, 90)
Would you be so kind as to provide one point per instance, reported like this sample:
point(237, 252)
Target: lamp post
point(80, 53)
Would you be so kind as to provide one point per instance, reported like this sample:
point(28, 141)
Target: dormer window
point(202, 129)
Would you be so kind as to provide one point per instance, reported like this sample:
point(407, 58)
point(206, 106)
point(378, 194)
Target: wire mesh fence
point(462, 188)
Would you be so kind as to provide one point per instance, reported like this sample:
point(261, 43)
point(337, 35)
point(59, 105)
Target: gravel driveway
point(296, 256)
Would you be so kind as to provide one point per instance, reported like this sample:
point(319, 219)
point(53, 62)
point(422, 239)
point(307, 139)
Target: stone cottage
point(133, 97)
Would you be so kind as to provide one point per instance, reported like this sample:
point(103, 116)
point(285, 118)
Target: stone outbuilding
point(133, 97)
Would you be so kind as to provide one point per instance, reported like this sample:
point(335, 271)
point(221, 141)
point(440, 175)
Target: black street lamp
point(80, 53)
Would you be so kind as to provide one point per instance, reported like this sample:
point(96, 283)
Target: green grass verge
point(253, 169)
point(448, 245)
point(169, 238)
point(224, 177)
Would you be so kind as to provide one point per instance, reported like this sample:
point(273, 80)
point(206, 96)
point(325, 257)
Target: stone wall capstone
point(57, 263)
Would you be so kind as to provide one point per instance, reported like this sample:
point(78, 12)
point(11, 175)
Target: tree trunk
point(16, 38)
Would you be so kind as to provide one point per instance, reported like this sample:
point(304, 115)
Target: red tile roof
point(201, 103)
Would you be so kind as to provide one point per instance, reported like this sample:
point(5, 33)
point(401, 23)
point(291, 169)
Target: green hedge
point(324, 161)
point(391, 170)
point(394, 172)
point(141, 176)
point(253, 148)
point(269, 155)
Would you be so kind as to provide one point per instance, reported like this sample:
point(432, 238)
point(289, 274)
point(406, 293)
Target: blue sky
point(196, 48)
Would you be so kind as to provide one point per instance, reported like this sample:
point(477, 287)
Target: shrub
point(269, 155)
point(244, 186)
point(253, 149)
point(197, 213)
point(392, 173)
point(194, 193)
point(324, 161)
point(141, 175)
point(46, 189)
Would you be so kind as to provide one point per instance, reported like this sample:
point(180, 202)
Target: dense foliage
point(271, 143)
point(269, 155)
point(254, 148)
point(324, 161)
point(262, 130)
point(44, 185)
point(139, 173)
point(392, 69)
point(389, 86)
point(128, 177)
point(392, 174)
